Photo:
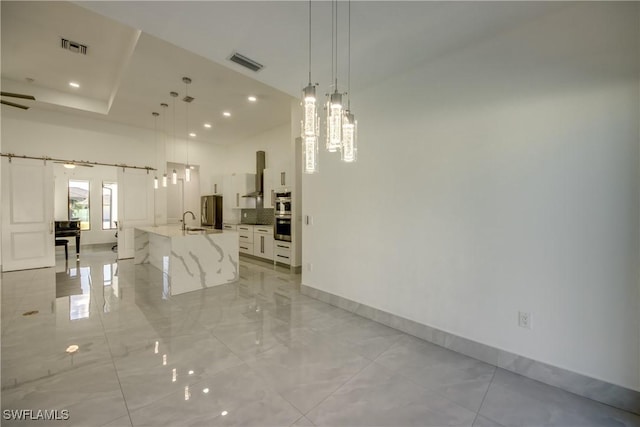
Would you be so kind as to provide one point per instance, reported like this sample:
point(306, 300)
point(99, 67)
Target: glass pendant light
point(349, 149)
point(310, 125)
point(334, 102)
point(349, 137)
point(174, 174)
point(334, 121)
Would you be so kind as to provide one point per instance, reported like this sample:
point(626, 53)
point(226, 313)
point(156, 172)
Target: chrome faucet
point(184, 224)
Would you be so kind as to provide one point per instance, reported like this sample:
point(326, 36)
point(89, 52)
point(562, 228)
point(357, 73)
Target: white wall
point(498, 178)
point(37, 132)
point(276, 143)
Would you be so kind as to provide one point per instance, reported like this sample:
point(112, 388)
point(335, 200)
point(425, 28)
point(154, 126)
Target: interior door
point(135, 207)
point(28, 239)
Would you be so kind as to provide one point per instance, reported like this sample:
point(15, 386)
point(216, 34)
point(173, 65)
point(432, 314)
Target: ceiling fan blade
point(12, 104)
point(17, 95)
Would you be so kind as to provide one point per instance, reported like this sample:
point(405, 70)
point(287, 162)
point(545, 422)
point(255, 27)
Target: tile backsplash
point(257, 216)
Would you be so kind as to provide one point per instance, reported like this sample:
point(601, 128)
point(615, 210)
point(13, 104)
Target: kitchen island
point(188, 259)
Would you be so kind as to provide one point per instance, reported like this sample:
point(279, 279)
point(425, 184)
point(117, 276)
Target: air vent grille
point(246, 62)
point(73, 46)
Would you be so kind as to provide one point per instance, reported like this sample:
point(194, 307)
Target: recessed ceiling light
point(192, 134)
point(72, 348)
point(207, 125)
point(226, 114)
point(74, 84)
point(252, 98)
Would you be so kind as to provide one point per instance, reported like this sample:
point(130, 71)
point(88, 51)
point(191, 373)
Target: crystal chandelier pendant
point(349, 138)
point(310, 154)
point(334, 122)
point(310, 130)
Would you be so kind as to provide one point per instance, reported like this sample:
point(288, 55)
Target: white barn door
point(28, 239)
point(135, 207)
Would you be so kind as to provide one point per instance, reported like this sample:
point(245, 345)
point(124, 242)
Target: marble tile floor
point(252, 353)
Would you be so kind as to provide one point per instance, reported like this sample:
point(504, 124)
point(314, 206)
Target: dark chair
point(65, 243)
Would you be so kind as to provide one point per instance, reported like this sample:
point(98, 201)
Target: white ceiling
point(139, 51)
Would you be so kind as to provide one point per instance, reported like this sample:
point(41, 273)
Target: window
point(109, 205)
point(79, 203)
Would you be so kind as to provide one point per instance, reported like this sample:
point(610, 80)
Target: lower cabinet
point(245, 236)
point(263, 242)
point(256, 240)
point(282, 252)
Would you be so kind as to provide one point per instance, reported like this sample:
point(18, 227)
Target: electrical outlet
point(524, 319)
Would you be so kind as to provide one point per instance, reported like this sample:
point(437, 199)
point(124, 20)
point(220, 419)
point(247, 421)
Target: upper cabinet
point(268, 191)
point(284, 176)
point(235, 186)
point(280, 176)
point(217, 184)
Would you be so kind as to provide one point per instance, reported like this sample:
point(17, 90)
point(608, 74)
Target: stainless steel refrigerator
point(211, 211)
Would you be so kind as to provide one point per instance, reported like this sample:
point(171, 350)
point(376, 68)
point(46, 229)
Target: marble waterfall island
point(189, 260)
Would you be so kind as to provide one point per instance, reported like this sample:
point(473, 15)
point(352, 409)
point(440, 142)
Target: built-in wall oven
point(283, 203)
point(282, 228)
point(282, 221)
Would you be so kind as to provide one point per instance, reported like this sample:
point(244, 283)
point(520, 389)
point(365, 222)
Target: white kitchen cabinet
point(282, 252)
point(284, 177)
point(263, 241)
point(217, 185)
point(232, 227)
point(234, 186)
point(268, 191)
point(245, 236)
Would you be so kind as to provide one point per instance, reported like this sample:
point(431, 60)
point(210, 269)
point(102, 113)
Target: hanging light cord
point(349, 60)
point(336, 43)
point(174, 127)
point(155, 126)
point(164, 119)
point(309, 42)
point(186, 92)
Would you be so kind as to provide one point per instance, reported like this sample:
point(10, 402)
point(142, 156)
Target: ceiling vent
point(246, 62)
point(73, 46)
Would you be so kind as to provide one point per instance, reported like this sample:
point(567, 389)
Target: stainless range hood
point(260, 164)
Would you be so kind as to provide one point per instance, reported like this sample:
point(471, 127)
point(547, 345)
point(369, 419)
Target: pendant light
point(174, 174)
point(334, 101)
point(155, 178)
point(310, 125)
point(349, 149)
point(187, 99)
point(164, 118)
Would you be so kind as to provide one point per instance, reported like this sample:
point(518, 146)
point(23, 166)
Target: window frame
point(69, 209)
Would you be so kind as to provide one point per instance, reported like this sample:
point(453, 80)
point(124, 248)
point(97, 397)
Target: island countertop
point(188, 260)
point(175, 230)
